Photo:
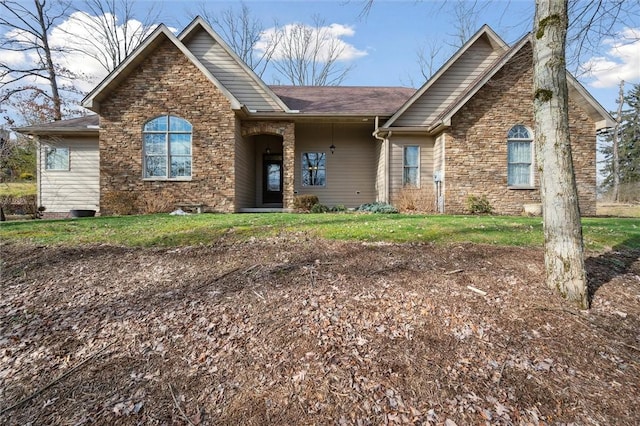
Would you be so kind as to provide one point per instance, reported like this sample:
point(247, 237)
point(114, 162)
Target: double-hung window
point(411, 166)
point(519, 157)
point(314, 169)
point(56, 158)
point(167, 148)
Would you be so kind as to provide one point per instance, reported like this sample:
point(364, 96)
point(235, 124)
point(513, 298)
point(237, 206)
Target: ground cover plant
point(313, 319)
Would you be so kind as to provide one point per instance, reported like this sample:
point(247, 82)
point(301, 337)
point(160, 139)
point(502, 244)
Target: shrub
point(26, 176)
point(479, 205)
point(119, 203)
point(416, 200)
point(338, 208)
point(20, 204)
point(305, 202)
point(377, 207)
point(156, 204)
point(319, 208)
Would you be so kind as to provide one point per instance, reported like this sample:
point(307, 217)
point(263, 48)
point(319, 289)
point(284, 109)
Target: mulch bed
point(294, 330)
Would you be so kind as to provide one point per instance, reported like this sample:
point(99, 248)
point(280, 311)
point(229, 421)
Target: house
point(184, 121)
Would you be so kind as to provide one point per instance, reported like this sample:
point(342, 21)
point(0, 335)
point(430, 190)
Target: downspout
point(385, 145)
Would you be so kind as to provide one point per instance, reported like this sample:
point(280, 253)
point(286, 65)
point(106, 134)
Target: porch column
point(288, 163)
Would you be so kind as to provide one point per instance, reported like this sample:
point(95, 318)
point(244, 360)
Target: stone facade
point(167, 83)
point(476, 144)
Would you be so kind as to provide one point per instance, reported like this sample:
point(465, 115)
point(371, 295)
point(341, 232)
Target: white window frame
point(405, 167)
point(304, 170)
point(167, 155)
point(64, 153)
point(531, 163)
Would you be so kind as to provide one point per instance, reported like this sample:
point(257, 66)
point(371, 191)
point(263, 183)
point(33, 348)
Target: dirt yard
point(294, 331)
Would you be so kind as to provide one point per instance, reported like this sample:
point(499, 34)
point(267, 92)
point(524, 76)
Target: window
point(519, 157)
point(56, 158)
point(411, 169)
point(167, 148)
point(314, 172)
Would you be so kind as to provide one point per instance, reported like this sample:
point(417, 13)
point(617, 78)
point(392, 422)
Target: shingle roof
point(86, 123)
point(324, 100)
point(344, 100)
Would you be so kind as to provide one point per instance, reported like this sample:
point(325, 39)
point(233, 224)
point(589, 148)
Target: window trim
point(47, 149)
point(167, 145)
point(405, 166)
point(531, 141)
point(302, 169)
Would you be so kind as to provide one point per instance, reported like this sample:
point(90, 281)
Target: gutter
point(387, 149)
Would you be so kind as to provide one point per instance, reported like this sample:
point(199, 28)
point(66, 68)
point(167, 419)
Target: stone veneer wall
point(167, 83)
point(476, 144)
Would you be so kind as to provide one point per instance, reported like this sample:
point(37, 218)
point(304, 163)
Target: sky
point(381, 47)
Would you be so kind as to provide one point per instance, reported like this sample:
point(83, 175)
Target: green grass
point(167, 231)
point(17, 189)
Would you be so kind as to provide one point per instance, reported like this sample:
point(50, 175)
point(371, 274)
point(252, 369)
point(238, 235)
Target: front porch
point(264, 167)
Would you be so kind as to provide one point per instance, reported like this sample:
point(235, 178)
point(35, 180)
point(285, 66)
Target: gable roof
point(601, 117)
point(230, 69)
point(485, 33)
point(126, 67)
point(344, 100)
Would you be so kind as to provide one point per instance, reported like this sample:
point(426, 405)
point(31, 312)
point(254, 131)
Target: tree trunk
point(48, 62)
point(563, 246)
point(616, 145)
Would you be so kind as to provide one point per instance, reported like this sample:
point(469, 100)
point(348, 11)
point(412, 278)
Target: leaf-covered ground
point(294, 331)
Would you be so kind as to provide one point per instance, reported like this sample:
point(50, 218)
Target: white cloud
point(621, 61)
point(293, 36)
point(12, 58)
point(76, 48)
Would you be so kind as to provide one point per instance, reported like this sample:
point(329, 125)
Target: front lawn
point(162, 230)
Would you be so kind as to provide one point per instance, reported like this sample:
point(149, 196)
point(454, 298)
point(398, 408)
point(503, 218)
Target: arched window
point(167, 148)
point(519, 157)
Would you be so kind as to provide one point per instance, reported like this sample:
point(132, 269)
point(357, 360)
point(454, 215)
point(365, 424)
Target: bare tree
point(309, 55)
point(465, 20)
point(429, 58)
point(112, 29)
point(242, 32)
point(615, 145)
point(27, 34)
point(564, 251)
point(593, 21)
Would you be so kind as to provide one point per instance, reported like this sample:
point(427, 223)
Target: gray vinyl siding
point(350, 172)
point(396, 163)
point(232, 76)
point(245, 177)
point(450, 85)
point(77, 188)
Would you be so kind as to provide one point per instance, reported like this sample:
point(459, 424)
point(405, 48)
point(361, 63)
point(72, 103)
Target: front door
point(272, 179)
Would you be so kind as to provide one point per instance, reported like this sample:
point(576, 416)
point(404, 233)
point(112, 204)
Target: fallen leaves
point(308, 332)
